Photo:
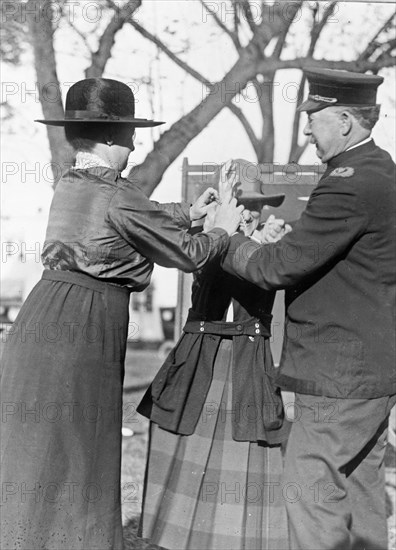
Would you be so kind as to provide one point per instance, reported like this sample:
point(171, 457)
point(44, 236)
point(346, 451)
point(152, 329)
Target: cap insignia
point(346, 172)
point(317, 97)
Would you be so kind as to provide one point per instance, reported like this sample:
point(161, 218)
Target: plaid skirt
point(61, 387)
point(205, 490)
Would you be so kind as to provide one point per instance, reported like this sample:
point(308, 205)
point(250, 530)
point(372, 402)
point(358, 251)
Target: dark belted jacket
point(177, 394)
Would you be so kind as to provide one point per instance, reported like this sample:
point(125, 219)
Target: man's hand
point(227, 215)
point(200, 207)
point(273, 230)
point(228, 179)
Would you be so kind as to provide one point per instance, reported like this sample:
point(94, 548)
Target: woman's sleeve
point(179, 211)
point(157, 232)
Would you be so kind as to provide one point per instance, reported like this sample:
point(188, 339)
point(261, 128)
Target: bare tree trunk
point(41, 36)
point(41, 31)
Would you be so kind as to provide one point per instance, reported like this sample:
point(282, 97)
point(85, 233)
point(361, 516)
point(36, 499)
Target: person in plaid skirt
point(217, 423)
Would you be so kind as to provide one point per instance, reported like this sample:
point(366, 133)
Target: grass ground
point(141, 366)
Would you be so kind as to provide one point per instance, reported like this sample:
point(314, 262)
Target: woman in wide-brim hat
point(217, 424)
point(63, 363)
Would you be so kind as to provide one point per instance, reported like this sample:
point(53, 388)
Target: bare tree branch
point(265, 152)
point(265, 147)
point(272, 26)
point(244, 6)
point(374, 44)
point(106, 42)
point(233, 35)
point(388, 60)
point(297, 150)
point(387, 53)
point(254, 140)
point(361, 64)
point(164, 48)
point(280, 42)
point(237, 23)
point(80, 34)
point(174, 141)
point(195, 74)
point(317, 28)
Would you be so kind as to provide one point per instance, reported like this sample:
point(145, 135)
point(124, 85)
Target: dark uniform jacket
point(177, 395)
point(338, 266)
point(104, 226)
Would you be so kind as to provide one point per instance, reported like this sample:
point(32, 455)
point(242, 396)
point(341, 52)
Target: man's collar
point(339, 160)
point(360, 143)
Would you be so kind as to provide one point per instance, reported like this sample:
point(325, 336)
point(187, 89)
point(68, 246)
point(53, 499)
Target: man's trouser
point(334, 478)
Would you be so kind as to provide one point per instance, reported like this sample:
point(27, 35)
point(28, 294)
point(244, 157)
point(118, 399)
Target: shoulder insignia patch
point(346, 172)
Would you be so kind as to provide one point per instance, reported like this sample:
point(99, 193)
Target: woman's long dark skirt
point(61, 388)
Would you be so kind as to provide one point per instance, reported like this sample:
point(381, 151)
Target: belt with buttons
point(250, 327)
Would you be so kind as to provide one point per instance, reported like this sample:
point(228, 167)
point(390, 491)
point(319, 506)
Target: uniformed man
point(338, 266)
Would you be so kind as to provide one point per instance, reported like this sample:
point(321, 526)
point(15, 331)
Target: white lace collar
point(85, 160)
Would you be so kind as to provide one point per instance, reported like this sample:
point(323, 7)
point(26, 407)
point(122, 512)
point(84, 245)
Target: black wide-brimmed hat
point(100, 100)
point(250, 187)
point(330, 88)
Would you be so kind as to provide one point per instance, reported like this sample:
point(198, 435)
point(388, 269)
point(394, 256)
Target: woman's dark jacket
point(104, 226)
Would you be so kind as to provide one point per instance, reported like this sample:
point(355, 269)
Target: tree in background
point(264, 37)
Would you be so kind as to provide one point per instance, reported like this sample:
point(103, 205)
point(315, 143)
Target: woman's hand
point(274, 229)
point(209, 222)
point(200, 207)
point(228, 214)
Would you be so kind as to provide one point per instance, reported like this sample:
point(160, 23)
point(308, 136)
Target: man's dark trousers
point(334, 482)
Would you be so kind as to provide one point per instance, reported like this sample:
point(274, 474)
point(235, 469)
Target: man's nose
point(307, 129)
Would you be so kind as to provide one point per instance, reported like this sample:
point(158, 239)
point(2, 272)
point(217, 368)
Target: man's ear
point(346, 122)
